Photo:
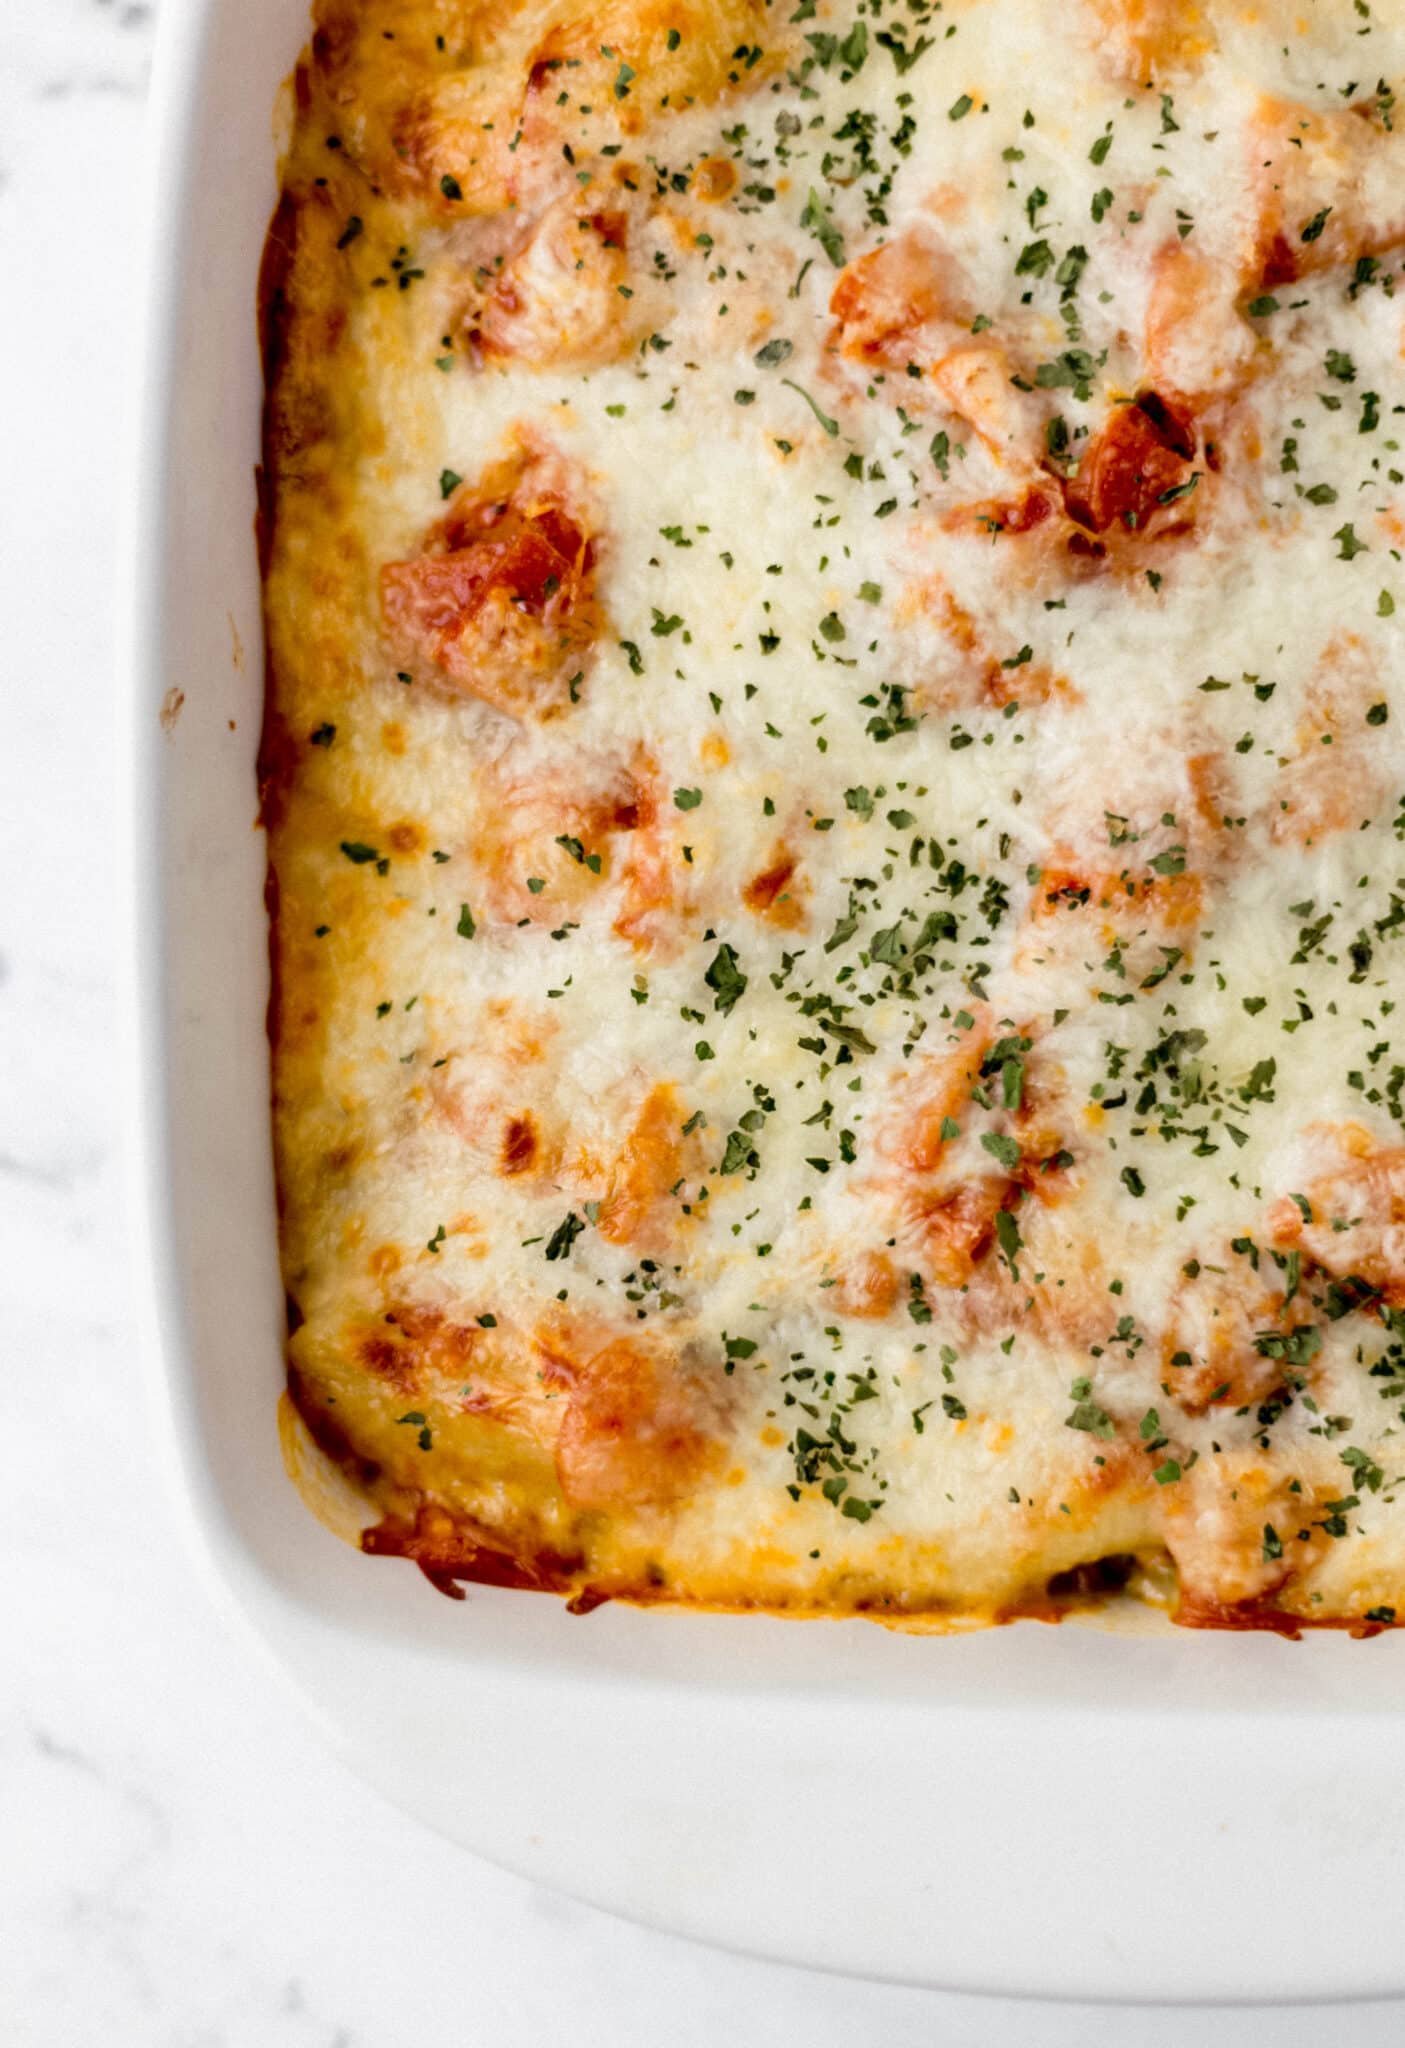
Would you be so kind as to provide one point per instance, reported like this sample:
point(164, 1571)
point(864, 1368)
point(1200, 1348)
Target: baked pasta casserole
point(835, 795)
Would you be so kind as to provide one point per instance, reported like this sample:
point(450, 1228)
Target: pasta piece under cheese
point(1137, 469)
point(1198, 344)
point(1152, 41)
point(567, 296)
point(1329, 187)
point(1349, 1216)
point(632, 1431)
point(905, 306)
point(471, 104)
point(501, 603)
point(1333, 778)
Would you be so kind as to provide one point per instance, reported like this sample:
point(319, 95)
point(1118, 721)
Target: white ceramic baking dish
point(1059, 1811)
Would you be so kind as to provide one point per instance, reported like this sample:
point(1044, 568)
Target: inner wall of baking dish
point(215, 1225)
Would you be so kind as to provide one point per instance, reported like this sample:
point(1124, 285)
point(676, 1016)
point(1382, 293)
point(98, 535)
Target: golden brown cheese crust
point(833, 795)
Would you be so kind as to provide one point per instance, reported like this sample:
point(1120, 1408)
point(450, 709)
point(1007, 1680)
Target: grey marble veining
point(76, 48)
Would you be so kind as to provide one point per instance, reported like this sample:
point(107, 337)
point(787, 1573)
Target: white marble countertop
point(181, 1864)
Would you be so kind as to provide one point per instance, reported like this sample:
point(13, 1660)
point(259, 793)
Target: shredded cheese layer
point(835, 795)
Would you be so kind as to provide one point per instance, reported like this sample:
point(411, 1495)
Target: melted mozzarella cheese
point(816, 943)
